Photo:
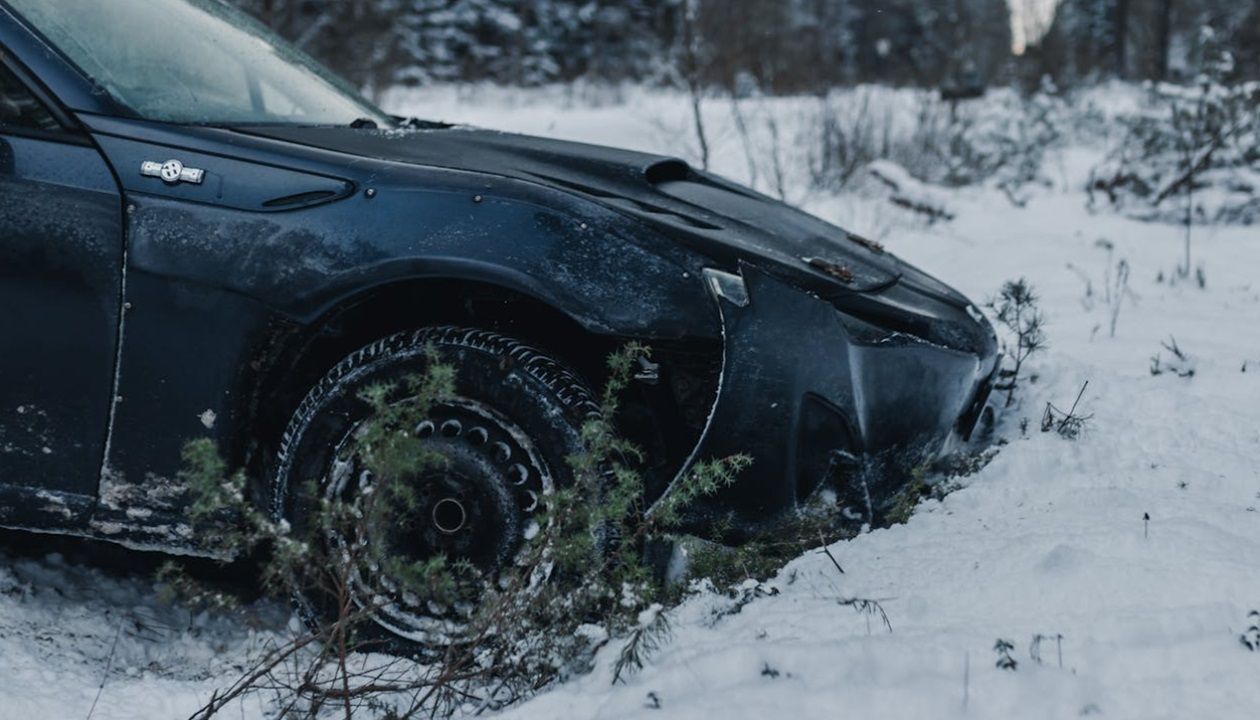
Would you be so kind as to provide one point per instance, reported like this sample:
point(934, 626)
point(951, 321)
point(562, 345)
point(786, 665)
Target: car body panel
point(215, 287)
point(214, 276)
point(811, 392)
point(704, 213)
point(231, 183)
point(60, 287)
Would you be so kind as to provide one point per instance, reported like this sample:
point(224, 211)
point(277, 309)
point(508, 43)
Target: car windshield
point(194, 62)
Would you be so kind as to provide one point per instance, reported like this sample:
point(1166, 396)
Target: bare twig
point(867, 607)
point(1067, 424)
point(109, 664)
point(827, 550)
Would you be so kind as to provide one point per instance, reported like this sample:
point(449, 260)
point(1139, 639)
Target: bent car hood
point(716, 217)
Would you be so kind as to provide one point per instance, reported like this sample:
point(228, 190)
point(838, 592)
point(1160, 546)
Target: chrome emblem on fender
point(172, 172)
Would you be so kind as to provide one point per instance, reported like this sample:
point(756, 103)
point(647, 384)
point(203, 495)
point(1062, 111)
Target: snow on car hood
point(709, 214)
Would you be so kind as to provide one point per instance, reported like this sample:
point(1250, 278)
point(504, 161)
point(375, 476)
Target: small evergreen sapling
point(652, 633)
point(1016, 308)
point(1251, 638)
point(1005, 661)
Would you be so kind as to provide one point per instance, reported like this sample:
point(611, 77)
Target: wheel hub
point(449, 516)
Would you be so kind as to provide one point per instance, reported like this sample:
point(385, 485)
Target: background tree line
point(1148, 39)
point(778, 45)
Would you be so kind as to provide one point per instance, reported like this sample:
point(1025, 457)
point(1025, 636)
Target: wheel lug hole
point(519, 474)
point(452, 428)
point(425, 429)
point(478, 436)
point(502, 453)
point(528, 502)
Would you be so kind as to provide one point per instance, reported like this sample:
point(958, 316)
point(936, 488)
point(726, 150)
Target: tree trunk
point(1122, 38)
point(1164, 39)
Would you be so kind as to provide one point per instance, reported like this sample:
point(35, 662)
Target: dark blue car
point(203, 234)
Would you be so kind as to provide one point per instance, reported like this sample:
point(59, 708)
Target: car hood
point(723, 220)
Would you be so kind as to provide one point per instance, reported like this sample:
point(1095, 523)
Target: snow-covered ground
point(66, 628)
point(1049, 539)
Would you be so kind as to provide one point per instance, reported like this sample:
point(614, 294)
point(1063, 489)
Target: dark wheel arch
point(292, 358)
point(665, 419)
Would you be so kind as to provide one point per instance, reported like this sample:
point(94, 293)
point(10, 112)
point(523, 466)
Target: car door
point(61, 260)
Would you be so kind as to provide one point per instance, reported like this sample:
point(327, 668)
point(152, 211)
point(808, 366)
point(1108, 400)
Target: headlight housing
point(727, 286)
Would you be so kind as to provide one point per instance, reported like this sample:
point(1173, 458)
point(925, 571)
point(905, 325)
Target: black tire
point(507, 437)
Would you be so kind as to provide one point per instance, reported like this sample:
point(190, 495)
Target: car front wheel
point(501, 443)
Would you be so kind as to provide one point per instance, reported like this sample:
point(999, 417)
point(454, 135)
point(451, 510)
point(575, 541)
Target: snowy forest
point(788, 46)
point(1086, 174)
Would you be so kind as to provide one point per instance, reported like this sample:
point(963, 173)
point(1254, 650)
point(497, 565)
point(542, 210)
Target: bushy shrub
point(1189, 153)
point(580, 581)
point(1002, 139)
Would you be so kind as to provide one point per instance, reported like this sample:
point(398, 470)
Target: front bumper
point(812, 391)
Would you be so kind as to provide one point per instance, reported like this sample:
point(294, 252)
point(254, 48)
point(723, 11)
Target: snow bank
point(910, 193)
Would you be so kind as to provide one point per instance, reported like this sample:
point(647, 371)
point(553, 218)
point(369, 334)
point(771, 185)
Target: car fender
point(214, 276)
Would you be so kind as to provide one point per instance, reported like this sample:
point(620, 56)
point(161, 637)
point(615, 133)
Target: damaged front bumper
point(859, 390)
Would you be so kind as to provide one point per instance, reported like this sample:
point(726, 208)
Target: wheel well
point(300, 356)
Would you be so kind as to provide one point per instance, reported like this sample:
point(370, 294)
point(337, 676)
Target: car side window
point(19, 108)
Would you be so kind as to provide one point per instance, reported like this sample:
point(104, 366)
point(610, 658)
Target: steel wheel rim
point(500, 440)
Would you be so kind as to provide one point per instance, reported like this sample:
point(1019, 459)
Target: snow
point(65, 628)
point(1049, 539)
point(909, 192)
